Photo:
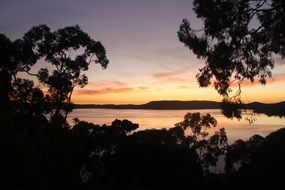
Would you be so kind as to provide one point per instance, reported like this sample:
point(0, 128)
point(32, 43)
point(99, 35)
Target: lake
point(158, 119)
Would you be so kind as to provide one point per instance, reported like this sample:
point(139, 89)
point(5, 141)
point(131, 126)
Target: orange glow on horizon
point(269, 93)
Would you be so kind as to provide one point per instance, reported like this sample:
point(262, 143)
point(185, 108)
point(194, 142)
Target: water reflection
point(236, 129)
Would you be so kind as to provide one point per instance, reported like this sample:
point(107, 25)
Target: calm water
point(158, 119)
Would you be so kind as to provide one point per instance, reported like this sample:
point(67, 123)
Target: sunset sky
point(147, 61)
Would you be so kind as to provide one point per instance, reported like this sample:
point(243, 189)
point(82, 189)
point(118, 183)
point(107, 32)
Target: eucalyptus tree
point(67, 53)
point(238, 42)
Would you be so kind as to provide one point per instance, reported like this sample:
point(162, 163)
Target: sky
point(147, 61)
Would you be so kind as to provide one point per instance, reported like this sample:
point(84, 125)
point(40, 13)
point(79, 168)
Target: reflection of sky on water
point(167, 118)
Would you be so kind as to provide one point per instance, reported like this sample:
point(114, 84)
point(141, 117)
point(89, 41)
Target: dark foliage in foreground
point(40, 150)
point(38, 155)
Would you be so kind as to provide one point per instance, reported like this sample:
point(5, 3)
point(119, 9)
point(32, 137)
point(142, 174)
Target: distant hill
point(274, 109)
point(158, 105)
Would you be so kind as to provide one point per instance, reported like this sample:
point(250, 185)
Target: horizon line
point(173, 101)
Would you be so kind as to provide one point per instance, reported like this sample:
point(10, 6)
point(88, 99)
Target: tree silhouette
point(5, 67)
point(16, 56)
point(195, 136)
point(70, 51)
point(37, 153)
point(259, 159)
point(238, 41)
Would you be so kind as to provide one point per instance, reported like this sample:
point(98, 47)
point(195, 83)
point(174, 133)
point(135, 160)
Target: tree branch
point(32, 74)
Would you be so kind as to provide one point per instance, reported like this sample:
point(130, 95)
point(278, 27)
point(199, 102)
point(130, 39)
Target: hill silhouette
point(274, 109)
point(270, 109)
point(159, 105)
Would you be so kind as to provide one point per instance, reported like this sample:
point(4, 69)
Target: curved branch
point(31, 74)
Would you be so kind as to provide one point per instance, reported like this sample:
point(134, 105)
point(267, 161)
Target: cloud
point(275, 79)
point(143, 87)
point(107, 84)
point(164, 74)
point(138, 57)
point(108, 90)
point(104, 91)
point(177, 72)
point(184, 87)
point(175, 79)
point(171, 77)
point(169, 73)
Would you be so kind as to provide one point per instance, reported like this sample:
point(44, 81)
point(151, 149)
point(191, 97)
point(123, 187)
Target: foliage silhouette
point(71, 51)
point(15, 57)
point(258, 162)
point(209, 149)
point(68, 51)
point(38, 152)
point(238, 42)
point(152, 158)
